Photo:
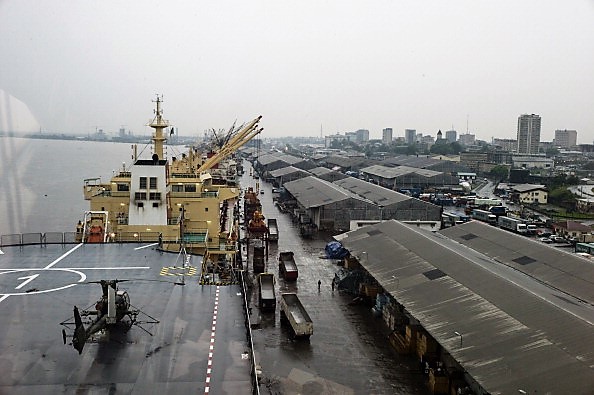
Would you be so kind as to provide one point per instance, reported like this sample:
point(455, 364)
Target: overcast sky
point(308, 67)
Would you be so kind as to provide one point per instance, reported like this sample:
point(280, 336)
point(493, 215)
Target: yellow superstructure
point(182, 202)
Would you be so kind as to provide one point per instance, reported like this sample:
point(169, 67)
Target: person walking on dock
point(319, 285)
point(332, 285)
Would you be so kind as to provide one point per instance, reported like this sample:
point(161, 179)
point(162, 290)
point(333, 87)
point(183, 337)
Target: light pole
point(459, 334)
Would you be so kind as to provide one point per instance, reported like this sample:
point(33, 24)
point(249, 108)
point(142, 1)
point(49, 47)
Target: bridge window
point(142, 182)
point(153, 183)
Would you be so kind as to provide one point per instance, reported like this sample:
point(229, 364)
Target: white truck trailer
point(515, 225)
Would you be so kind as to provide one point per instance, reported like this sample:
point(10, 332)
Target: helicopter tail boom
point(80, 334)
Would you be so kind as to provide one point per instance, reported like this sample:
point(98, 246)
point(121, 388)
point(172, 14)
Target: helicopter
point(111, 310)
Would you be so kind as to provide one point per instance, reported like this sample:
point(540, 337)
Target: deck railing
point(23, 239)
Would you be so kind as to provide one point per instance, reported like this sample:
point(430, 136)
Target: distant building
point(528, 133)
point(399, 140)
point(410, 135)
point(328, 140)
point(362, 136)
point(533, 162)
point(530, 194)
point(451, 136)
point(472, 160)
point(565, 138)
point(387, 136)
point(510, 145)
point(467, 139)
point(440, 140)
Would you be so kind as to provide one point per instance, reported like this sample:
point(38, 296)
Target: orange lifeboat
point(96, 234)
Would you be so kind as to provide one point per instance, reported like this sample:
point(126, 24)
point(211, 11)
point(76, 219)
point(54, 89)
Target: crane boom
point(247, 133)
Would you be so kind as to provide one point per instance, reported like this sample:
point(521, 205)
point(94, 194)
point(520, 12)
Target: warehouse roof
point(286, 170)
point(267, 159)
point(318, 171)
point(377, 194)
point(528, 187)
point(516, 314)
point(421, 162)
point(393, 172)
point(314, 192)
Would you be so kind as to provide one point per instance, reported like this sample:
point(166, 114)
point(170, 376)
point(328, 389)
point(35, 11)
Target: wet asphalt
point(349, 351)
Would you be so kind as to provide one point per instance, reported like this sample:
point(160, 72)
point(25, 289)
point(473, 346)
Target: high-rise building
point(451, 136)
point(528, 133)
point(410, 135)
point(565, 138)
point(362, 136)
point(387, 136)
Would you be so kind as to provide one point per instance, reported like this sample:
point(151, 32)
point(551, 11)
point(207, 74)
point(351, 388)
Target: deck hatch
point(374, 232)
point(469, 236)
point(524, 260)
point(434, 274)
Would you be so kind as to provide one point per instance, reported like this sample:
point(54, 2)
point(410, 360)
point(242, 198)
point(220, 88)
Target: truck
point(486, 202)
point(498, 210)
point(292, 311)
point(266, 292)
point(515, 225)
point(258, 258)
point(287, 267)
point(485, 216)
point(272, 230)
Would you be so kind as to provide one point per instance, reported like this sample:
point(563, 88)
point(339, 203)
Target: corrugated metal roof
point(420, 162)
point(393, 172)
point(286, 170)
point(267, 159)
point(528, 187)
point(318, 171)
point(314, 192)
point(377, 194)
point(522, 323)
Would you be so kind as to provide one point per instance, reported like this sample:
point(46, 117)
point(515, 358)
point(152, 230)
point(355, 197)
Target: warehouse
point(502, 312)
point(404, 177)
point(286, 174)
point(331, 206)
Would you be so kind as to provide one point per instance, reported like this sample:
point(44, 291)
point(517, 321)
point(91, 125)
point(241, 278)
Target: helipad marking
point(146, 246)
point(83, 277)
point(1, 253)
point(111, 268)
point(64, 256)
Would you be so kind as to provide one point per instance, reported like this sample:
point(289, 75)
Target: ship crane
point(247, 133)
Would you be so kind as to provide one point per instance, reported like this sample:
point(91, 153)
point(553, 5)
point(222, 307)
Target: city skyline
point(308, 68)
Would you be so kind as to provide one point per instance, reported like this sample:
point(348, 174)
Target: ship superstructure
point(185, 202)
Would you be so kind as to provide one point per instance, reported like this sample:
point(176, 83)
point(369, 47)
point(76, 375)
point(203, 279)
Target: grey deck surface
point(40, 285)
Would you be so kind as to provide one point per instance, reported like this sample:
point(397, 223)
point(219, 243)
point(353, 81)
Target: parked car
point(557, 239)
point(545, 240)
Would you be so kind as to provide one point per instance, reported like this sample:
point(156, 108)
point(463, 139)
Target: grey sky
point(303, 65)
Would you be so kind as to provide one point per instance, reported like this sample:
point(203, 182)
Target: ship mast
point(159, 124)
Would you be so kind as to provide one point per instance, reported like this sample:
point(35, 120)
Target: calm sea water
point(41, 181)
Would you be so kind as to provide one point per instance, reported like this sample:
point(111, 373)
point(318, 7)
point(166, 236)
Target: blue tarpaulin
point(335, 250)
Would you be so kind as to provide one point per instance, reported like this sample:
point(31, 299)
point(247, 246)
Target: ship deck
point(198, 346)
